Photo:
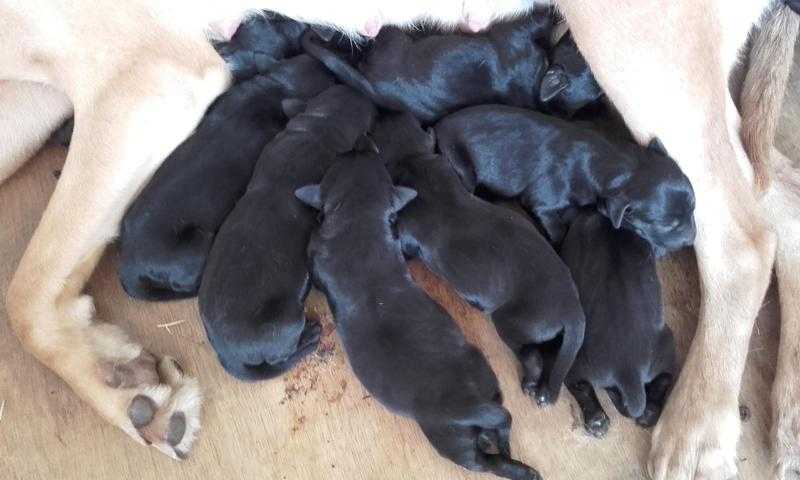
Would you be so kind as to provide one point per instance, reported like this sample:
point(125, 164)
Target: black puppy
point(628, 349)
point(555, 166)
point(259, 42)
point(568, 85)
point(494, 258)
point(404, 348)
point(256, 279)
point(167, 232)
point(439, 74)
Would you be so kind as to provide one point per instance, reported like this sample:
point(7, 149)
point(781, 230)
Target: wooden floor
point(317, 422)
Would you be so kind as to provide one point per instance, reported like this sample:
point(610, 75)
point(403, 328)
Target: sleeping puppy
point(403, 347)
point(259, 42)
point(568, 85)
point(555, 167)
point(256, 279)
point(494, 258)
point(628, 350)
point(167, 232)
point(439, 74)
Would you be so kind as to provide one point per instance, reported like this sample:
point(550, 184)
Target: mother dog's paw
point(695, 440)
point(167, 415)
point(152, 400)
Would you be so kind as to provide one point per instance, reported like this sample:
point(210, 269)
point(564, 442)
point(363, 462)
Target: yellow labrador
point(138, 75)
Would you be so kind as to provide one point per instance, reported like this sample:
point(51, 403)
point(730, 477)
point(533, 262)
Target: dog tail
point(343, 71)
point(764, 87)
point(572, 342)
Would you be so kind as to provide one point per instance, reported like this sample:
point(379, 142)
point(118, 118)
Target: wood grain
point(317, 422)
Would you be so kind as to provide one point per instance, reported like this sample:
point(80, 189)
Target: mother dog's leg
point(782, 202)
point(31, 111)
point(127, 122)
point(669, 78)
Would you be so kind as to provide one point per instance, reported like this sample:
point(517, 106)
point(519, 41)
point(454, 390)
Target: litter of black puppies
point(628, 349)
point(555, 167)
point(392, 331)
point(438, 74)
point(495, 259)
point(222, 215)
point(256, 280)
point(167, 233)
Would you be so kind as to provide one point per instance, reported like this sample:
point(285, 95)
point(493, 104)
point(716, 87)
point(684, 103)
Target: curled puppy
point(555, 167)
point(259, 42)
point(438, 74)
point(494, 258)
point(256, 280)
point(629, 350)
point(568, 85)
point(403, 347)
point(167, 232)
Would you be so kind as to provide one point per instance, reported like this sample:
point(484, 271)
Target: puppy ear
point(366, 144)
point(293, 107)
point(656, 146)
point(615, 209)
point(403, 195)
point(311, 195)
point(554, 82)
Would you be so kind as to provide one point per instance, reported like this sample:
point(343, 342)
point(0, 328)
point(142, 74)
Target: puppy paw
point(597, 425)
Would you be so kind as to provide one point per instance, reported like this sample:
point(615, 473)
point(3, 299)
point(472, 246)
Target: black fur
point(256, 279)
point(794, 5)
point(628, 350)
point(568, 85)
point(439, 74)
point(493, 257)
point(555, 166)
point(404, 348)
point(259, 42)
point(167, 232)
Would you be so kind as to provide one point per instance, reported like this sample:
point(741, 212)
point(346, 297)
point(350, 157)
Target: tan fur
point(782, 202)
point(764, 87)
point(140, 73)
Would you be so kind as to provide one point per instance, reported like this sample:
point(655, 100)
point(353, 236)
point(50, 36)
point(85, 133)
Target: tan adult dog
point(139, 74)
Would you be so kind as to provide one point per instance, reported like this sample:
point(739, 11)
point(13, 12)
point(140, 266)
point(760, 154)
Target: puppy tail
point(764, 87)
point(633, 394)
point(343, 71)
point(571, 343)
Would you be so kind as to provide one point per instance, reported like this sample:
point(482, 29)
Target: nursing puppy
point(259, 42)
point(629, 351)
point(555, 167)
point(256, 279)
point(568, 85)
point(494, 258)
point(167, 232)
point(438, 74)
point(403, 347)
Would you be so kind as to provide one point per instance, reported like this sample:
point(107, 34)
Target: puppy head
point(656, 201)
point(399, 135)
point(356, 187)
point(568, 85)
